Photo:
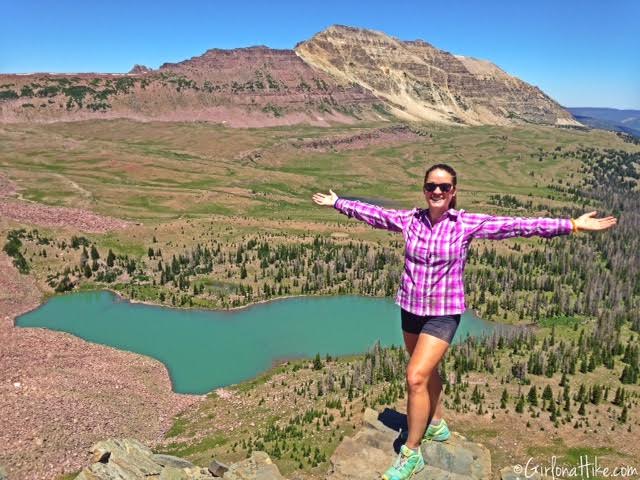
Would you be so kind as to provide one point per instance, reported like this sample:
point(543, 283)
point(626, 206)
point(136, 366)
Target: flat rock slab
point(128, 459)
point(257, 467)
point(374, 448)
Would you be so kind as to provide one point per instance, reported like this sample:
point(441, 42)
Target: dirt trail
point(85, 193)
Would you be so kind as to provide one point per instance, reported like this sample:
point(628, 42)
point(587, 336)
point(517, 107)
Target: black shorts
point(441, 326)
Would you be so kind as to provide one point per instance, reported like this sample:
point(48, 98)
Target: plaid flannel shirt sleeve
point(482, 226)
point(377, 217)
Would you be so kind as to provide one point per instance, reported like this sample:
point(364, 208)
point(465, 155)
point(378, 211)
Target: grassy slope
point(156, 171)
point(183, 180)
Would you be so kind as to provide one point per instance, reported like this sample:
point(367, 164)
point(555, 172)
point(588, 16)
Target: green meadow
point(161, 171)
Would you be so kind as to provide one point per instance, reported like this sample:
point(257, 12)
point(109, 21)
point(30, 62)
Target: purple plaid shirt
point(435, 255)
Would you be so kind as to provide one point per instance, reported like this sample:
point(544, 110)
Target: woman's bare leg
point(427, 353)
point(434, 384)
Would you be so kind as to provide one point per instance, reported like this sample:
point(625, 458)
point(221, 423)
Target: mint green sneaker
point(406, 465)
point(438, 433)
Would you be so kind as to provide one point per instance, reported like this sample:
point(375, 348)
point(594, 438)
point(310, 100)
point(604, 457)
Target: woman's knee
point(417, 379)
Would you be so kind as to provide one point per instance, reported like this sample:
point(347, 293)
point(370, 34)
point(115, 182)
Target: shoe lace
point(401, 461)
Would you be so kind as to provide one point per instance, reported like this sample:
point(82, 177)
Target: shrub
point(8, 95)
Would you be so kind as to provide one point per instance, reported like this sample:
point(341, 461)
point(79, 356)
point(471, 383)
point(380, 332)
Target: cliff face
point(342, 74)
point(422, 82)
point(251, 87)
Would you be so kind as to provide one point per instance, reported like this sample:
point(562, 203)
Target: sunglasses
point(431, 187)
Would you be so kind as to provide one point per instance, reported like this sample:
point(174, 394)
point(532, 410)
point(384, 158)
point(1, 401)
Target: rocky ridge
point(421, 82)
point(363, 456)
point(341, 75)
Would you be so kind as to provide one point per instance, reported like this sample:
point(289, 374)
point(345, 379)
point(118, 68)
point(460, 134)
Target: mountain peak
point(342, 74)
point(421, 82)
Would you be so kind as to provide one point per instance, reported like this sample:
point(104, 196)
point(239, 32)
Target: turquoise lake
point(207, 349)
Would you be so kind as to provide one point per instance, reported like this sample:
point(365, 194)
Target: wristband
point(574, 227)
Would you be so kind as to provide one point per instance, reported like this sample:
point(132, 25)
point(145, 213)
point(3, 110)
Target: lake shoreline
point(292, 327)
point(47, 428)
point(123, 297)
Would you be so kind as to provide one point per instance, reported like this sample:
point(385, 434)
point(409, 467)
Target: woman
point(431, 293)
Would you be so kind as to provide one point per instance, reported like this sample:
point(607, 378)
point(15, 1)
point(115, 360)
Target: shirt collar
point(452, 213)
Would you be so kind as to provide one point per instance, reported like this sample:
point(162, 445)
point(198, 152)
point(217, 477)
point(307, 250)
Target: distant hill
point(341, 75)
point(627, 121)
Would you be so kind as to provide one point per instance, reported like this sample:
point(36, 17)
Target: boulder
point(217, 468)
point(373, 449)
point(128, 459)
point(257, 467)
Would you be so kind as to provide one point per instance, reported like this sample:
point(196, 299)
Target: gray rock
point(3, 473)
point(373, 449)
point(128, 459)
point(459, 455)
point(257, 467)
point(173, 473)
point(171, 461)
point(217, 468)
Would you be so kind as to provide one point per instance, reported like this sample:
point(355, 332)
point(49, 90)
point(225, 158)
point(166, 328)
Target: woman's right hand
point(328, 200)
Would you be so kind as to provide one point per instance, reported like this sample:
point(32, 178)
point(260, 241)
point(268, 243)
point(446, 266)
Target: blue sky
point(581, 53)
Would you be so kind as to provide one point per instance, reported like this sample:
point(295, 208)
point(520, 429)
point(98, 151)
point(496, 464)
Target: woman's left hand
point(587, 223)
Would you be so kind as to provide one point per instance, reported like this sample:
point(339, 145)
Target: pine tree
point(110, 258)
point(581, 410)
point(475, 396)
point(596, 394)
point(554, 413)
point(581, 393)
point(623, 415)
point(547, 393)
point(317, 362)
point(504, 399)
point(84, 257)
point(563, 379)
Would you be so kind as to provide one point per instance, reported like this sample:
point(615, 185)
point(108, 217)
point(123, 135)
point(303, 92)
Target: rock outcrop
point(129, 459)
point(364, 456)
point(421, 82)
point(243, 87)
point(369, 453)
point(140, 69)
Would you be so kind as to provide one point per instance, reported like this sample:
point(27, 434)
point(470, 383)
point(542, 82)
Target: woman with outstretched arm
point(431, 293)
